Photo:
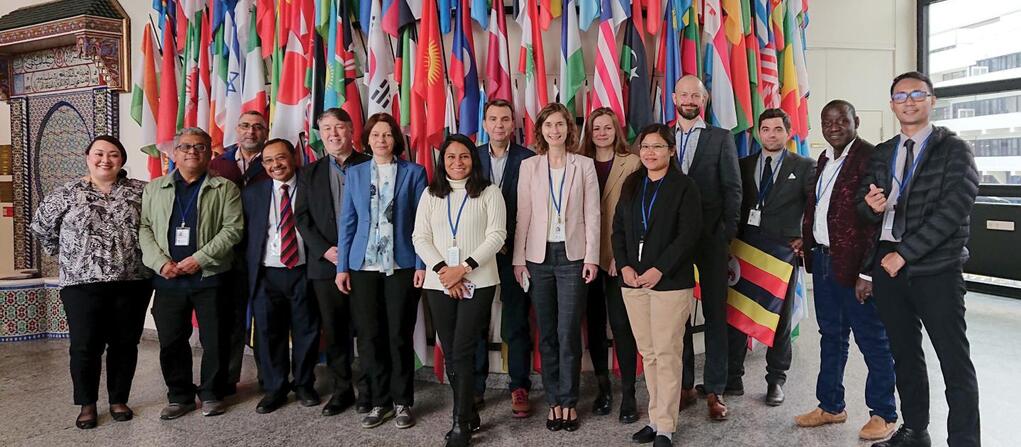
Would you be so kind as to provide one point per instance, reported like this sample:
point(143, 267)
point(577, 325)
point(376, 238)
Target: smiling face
point(911, 111)
point(457, 160)
point(381, 140)
point(499, 123)
point(278, 161)
point(192, 154)
point(689, 97)
point(336, 135)
point(774, 134)
point(104, 161)
point(839, 126)
point(554, 129)
point(655, 152)
point(252, 132)
point(603, 132)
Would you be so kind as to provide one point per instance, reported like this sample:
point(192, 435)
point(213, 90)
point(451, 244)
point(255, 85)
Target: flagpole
point(159, 45)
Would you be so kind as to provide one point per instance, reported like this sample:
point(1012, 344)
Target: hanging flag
point(166, 117)
point(204, 83)
point(670, 61)
point(464, 74)
point(430, 84)
point(293, 95)
point(691, 45)
point(588, 12)
point(498, 81)
point(654, 10)
point(531, 63)
point(790, 96)
point(443, 14)
point(717, 68)
point(763, 270)
point(482, 137)
point(735, 27)
point(188, 99)
point(265, 23)
point(607, 85)
point(254, 86)
point(396, 14)
point(572, 61)
point(228, 111)
point(480, 11)
point(770, 80)
point(379, 79)
point(635, 67)
point(334, 83)
point(145, 101)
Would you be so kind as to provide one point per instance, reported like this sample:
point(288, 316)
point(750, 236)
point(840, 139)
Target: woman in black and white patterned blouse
point(92, 223)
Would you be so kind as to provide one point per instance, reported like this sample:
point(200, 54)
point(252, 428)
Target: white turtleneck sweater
point(480, 234)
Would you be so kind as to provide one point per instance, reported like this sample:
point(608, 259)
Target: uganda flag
point(760, 270)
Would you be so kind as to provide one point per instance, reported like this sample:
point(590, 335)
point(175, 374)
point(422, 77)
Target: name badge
point(274, 246)
point(641, 246)
point(453, 256)
point(182, 236)
point(888, 220)
point(558, 231)
point(754, 217)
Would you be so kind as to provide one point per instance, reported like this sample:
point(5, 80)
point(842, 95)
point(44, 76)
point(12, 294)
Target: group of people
point(345, 247)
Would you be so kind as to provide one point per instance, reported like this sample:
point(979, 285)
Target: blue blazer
point(256, 199)
point(516, 154)
point(353, 224)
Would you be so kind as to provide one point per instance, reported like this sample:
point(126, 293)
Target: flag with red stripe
point(761, 269)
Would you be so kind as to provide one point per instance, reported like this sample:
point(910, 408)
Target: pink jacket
point(580, 210)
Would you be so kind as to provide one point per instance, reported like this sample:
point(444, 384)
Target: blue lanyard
point(276, 209)
point(685, 136)
point(191, 201)
point(646, 214)
point(902, 184)
point(772, 177)
point(556, 203)
point(454, 225)
point(820, 188)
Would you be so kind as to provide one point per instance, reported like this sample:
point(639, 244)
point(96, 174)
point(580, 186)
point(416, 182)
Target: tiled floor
point(35, 404)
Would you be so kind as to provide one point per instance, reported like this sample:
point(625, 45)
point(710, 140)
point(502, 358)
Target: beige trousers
point(657, 320)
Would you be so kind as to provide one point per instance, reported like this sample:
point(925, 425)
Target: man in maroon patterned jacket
point(838, 240)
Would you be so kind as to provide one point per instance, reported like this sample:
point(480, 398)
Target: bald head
point(690, 96)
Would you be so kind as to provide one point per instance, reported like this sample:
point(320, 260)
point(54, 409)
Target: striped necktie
point(288, 234)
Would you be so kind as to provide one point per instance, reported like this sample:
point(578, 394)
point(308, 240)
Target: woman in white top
point(556, 252)
point(459, 227)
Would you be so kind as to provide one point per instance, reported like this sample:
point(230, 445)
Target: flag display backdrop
point(434, 63)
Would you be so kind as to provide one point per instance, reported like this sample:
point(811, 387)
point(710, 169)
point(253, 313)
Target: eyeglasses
point(653, 146)
point(194, 148)
point(247, 126)
point(915, 95)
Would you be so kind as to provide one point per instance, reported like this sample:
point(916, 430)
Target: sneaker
point(377, 416)
point(520, 407)
point(818, 417)
point(877, 428)
point(404, 418)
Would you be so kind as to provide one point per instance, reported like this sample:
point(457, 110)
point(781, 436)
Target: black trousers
point(285, 311)
point(515, 331)
point(172, 309)
point(105, 316)
point(238, 294)
point(459, 324)
point(606, 302)
point(778, 356)
point(335, 316)
point(907, 303)
point(384, 309)
point(711, 257)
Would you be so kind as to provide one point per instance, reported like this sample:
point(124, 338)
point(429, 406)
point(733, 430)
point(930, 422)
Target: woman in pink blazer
point(557, 253)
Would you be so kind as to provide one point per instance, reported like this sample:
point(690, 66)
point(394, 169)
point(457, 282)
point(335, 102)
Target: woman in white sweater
point(460, 225)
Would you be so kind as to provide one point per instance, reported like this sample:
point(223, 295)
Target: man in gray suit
point(708, 155)
point(777, 184)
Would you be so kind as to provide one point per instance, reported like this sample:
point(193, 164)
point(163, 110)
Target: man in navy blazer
point(500, 161)
point(284, 310)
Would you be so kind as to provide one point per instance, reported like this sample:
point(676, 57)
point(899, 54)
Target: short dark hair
point(254, 112)
point(336, 112)
point(776, 113)
point(477, 182)
point(840, 103)
point(665, 132)
point(912, 75)
point(497, 103)
point(290, 146)
point(395, 129)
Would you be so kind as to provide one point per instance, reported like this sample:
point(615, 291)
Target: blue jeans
point(838, 313)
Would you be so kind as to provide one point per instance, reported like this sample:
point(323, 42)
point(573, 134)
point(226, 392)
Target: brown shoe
point(717, 409)
point(520, 407)
point(818, 417)
point(688, 398)
point(877, 428)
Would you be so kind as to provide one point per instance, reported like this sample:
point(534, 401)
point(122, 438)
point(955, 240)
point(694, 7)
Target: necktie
point(767, 179)
point(909, 148)
point(288, 234)
point(900, 219)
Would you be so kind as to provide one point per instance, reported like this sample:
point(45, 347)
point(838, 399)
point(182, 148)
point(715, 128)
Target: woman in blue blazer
point(378, 267)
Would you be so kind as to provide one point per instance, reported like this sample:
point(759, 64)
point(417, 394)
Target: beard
point(689, 115)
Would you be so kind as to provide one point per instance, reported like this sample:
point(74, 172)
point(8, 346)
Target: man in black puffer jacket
point(922, 185)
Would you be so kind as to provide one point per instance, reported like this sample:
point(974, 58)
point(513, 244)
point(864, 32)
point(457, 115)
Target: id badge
point(754, 217)
point(558, 231)
point(182, 236)
point(641, 246)
point(274, 246)
point(453, 256)
point(888, 220)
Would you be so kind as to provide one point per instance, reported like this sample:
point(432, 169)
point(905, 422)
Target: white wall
point(854, 50)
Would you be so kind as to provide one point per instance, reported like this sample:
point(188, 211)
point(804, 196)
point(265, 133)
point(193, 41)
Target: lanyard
point(556, 203)
point(646, 214)
point(276, 209)
point(191, 201)
point(685, 136)
point(454, 225)
point(820, 188)
point(772, 177)
point(902, 184)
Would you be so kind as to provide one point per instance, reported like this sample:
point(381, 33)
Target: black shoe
point(122, 416)
point(339, 403)
point(308, 397)
point(906, 437)
point(644, 436)
point(459, 436)
point(377, 416)
point(176, 410)
point(87, 423)
point(363, 405)
point(474, 425)
point(628, 409)
point(568, 423)
point(271, 402)
point(774, 395)
point(553, 423)
point(662, 441)
point(604, 400)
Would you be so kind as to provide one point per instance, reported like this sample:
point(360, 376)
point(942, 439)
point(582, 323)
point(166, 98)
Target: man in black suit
point(776, 184)
point(500, 163)
point(316, 211)
point(708, 155)
point(284, 310)
point(921, 185)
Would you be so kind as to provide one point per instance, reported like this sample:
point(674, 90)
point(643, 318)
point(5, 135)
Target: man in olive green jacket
point(190, 223)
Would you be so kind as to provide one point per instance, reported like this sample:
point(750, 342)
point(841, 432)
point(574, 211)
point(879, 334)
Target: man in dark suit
point(920, 187)
point(835, 241)
point(708, 155)
point(284, 310)
point(776, 184)
point(316, 211)
point(500, 163)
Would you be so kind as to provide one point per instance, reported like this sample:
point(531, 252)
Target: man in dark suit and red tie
point(284, 309)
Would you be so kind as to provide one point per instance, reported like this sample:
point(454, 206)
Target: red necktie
point(288, 234)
